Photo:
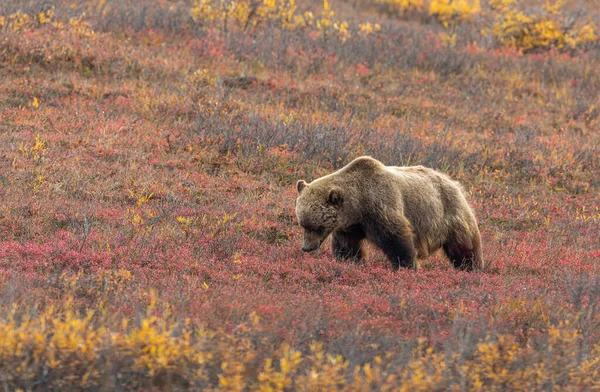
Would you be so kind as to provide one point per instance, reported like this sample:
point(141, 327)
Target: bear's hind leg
point(465, 252)
point(349, 244)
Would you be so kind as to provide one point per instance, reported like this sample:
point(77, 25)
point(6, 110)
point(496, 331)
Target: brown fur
point(408, 212)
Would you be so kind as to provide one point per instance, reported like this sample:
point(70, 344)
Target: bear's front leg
point(400, 251)
point(396, 241)
point(349, 244)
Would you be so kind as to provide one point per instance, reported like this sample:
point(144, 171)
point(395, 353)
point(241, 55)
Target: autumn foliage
point(148, 156)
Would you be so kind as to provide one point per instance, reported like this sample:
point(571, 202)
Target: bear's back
point(432, 201)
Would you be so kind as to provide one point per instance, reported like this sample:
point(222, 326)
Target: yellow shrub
point(403, 6)
point(241, 14)
point(368, 28)
point(226, 15)
point(68, 348)
point(326, 372)
point(328, 24)
point(19, 21)
point(512, 26)
point(273, 380)
point(454, 11)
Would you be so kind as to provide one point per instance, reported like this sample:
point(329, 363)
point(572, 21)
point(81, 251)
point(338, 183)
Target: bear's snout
point(312, 241)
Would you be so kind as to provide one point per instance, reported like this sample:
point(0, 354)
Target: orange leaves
point(362, 70)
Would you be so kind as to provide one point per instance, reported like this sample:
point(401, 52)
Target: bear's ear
point(335, 197)
point(301, 185)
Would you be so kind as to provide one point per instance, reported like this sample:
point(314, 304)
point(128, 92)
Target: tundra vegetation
point(149, 152)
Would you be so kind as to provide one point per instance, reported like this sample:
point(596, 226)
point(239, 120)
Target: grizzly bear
point(408, 212)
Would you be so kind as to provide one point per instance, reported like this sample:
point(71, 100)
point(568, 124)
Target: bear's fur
point(408, 212)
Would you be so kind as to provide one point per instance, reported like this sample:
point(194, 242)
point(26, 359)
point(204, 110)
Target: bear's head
point(318, 208)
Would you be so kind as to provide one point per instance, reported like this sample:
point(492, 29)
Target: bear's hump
point(365, 163)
